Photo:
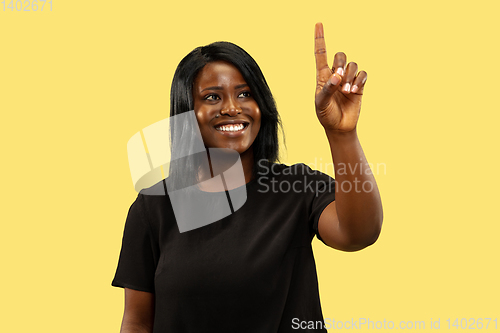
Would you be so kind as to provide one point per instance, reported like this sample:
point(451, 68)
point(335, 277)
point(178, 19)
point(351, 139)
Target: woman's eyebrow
point(212, 88)
point(220, 88)
point(241, 86)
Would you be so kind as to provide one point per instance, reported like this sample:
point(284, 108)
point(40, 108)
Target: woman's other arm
point(353, 221)
point(139, 312)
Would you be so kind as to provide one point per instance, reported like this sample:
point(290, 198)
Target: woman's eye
point(211, 97)
point(245, 94)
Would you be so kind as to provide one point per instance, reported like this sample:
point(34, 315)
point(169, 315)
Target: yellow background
point(78, 81)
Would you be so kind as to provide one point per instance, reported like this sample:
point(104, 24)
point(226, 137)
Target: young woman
point(253, 270)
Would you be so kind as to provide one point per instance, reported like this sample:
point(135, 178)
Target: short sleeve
point(324, 194)
point(138, 256)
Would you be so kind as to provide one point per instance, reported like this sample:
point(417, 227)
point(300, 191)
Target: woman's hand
point(338, 89)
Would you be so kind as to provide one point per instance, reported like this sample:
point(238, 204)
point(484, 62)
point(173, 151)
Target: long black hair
point(266, 145)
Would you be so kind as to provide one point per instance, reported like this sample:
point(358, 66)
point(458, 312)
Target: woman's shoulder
point(157, 189)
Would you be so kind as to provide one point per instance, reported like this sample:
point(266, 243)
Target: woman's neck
point(224, 164)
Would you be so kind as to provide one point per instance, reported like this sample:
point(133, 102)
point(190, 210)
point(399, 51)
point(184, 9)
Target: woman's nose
point(231, 109)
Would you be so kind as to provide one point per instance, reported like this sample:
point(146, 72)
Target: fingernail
point(354, 88)
point(334, 80)
point(347, 87)
point(340, 71)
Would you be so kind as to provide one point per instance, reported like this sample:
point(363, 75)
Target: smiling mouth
point(231, 128)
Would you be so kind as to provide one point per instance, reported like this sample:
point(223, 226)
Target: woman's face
point(227, 113)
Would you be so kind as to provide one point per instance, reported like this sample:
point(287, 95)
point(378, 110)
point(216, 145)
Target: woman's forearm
point(357, 199)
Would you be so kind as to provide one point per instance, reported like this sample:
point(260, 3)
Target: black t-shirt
point(253, 271)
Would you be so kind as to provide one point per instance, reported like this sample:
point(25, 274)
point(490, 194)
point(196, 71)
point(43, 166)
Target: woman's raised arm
point(353, 221)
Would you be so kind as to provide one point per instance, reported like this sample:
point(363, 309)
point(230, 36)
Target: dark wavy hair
point(266, 145)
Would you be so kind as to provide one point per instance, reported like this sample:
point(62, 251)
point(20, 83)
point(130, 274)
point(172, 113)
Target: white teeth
point(230, 128)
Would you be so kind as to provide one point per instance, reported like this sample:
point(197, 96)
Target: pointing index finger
point(322, 69)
